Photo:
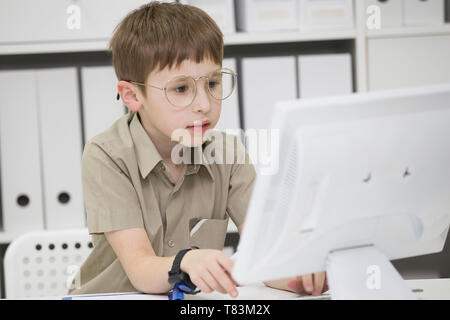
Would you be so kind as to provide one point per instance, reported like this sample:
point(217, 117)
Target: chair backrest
point(44, 263)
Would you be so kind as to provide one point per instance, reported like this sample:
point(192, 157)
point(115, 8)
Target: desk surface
point(429, 289)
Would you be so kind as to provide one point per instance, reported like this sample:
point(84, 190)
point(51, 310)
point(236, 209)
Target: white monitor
point(356, 171)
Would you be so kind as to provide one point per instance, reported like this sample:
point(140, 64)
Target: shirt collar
point(148, 156)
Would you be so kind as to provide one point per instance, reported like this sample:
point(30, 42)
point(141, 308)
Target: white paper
point(197, 226)
point(118, 296)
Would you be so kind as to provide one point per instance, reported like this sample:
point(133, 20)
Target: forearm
point(149, 274)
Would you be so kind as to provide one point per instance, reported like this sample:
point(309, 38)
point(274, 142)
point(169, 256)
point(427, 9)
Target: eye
point(213, 84)
point(181, 89)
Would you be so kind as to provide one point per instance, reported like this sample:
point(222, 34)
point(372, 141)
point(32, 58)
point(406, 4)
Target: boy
point(146, 211)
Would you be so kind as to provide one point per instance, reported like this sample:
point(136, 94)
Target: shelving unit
point(244, 38)
point(409, 32)
point(53, 47)
point(238, 38)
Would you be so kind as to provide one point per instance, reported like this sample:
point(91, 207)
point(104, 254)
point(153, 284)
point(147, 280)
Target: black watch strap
point(177, 261)
point(175, 274)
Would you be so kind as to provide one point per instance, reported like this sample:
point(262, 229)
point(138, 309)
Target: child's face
point(163, 120)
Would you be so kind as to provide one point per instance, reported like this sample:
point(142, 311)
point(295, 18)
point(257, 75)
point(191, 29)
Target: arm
point(147, 272)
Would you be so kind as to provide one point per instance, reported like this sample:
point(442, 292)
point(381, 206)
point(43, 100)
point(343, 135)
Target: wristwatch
point(178, 276)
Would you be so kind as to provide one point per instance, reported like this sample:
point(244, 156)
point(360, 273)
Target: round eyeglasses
point(181, 90)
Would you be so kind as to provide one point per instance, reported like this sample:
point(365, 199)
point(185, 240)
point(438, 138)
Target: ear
point(129, 95)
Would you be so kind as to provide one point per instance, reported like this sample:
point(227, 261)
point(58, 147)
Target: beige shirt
point(127, 185)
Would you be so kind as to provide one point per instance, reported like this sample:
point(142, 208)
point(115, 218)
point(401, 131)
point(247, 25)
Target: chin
point(194, 141)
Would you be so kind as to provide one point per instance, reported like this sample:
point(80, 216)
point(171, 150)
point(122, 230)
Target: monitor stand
point(364, 273)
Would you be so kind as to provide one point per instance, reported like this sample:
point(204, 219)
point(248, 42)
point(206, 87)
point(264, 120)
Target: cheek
point(164, 116)
point(216, 110)
point(173, 120)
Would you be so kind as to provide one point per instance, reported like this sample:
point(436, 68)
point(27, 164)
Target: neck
point(162, 143)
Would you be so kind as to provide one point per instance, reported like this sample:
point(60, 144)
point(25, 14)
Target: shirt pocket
point(210, 235)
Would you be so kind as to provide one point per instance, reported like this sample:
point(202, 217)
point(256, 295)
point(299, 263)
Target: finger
point(292, 285)
point(296, 285)
point(325, 286)
point(203, 286)
point(300, 286)
point(308, 283)
point(211, 282)
point(225, 262)
point(319, 279)
point(223, 279)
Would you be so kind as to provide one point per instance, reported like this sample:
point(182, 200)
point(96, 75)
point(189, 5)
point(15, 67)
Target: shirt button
point(171, 243)
point(163, 168)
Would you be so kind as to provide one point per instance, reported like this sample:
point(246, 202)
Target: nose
point(202, 101)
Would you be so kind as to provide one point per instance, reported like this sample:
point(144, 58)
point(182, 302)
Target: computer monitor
point(367, 170)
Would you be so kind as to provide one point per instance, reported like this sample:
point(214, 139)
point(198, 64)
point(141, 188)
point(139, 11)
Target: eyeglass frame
point(234, 74)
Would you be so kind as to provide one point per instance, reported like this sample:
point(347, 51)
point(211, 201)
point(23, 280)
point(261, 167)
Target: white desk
point(429, 289)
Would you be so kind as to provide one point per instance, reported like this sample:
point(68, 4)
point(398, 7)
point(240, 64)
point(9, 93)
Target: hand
point(314, 284)
point(210, 270)
point(309, 284)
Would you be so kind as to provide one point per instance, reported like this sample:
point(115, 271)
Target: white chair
point(44, 263)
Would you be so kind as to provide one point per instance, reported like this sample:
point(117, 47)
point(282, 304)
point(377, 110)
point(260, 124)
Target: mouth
point(199, 126)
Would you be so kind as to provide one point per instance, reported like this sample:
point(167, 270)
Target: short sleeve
point(241, 185)
point(110, 198)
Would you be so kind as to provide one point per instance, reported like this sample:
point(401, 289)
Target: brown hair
point(158, 34)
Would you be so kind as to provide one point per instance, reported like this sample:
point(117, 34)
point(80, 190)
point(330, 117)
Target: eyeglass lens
point(181, 91)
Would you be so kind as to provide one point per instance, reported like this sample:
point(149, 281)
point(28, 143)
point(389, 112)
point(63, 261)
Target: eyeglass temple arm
point(138, 83)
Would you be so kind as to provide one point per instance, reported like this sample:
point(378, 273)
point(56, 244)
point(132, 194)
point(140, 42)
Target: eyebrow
point(188, 75)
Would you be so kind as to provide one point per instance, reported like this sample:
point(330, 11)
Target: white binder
point(326, 14)
point(408, 62)
point(229, 118)
point(100, 106)
point(265, 82)
point(61, 141)
point(325, 75)
point(19, 151)
point(267, 15)
point(423, 13)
